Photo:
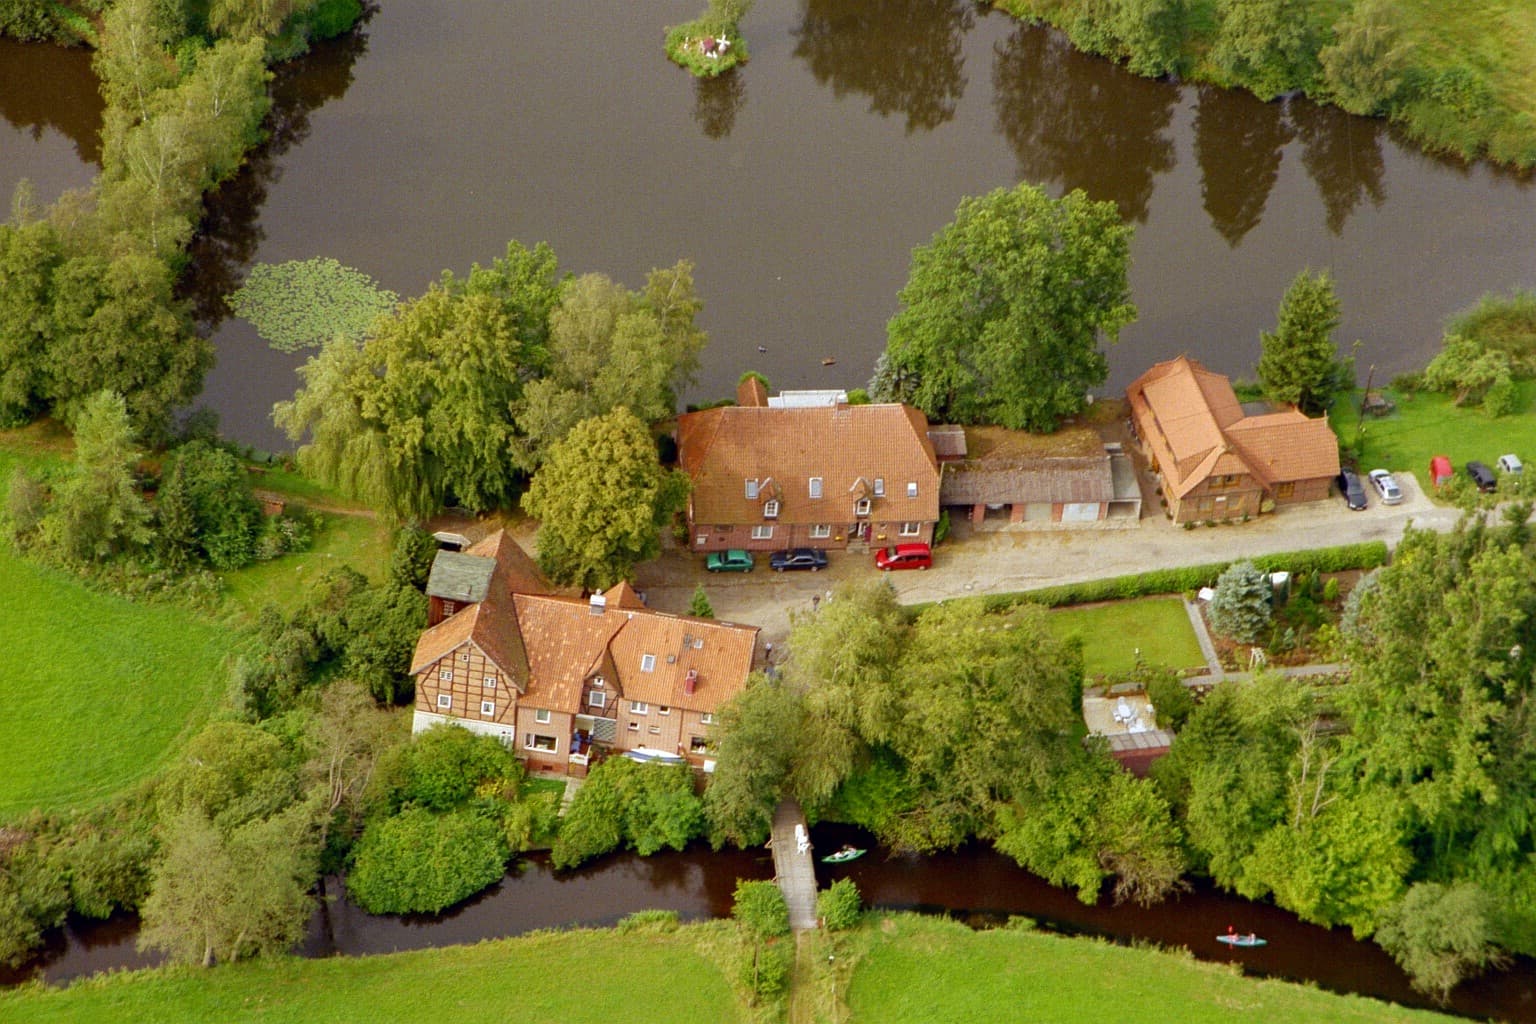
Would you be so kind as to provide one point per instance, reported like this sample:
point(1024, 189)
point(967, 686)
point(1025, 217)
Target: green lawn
point(360, 541)
point(1428, 424)
point(1112, 633)
point(610, 977)
point(1010, 975)
point(100, 689)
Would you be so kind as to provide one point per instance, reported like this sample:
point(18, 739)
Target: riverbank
point(690, 971)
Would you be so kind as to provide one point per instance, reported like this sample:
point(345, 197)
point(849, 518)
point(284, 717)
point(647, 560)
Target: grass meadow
point(614, 977)
point(899, 969)
point(1113, 632)
point(100, 691)
point(1019, 975)
point(1426, 424)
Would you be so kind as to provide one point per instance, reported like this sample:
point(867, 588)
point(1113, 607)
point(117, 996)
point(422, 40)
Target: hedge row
point(1367, 555)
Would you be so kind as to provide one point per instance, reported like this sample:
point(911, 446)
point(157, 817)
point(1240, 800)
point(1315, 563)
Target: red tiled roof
point(847, 446)
point(1193, 424)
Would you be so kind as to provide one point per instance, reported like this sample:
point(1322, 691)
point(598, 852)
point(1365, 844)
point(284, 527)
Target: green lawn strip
point(1112, 633)
point(1015, 975)
point(359, 541)
point(1428, 424)
point(549, 978)
point(103, 688)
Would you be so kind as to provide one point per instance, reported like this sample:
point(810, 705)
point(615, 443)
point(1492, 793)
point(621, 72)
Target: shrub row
point(1366, 555)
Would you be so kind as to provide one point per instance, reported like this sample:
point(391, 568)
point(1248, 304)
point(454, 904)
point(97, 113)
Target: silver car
point(1386, 486)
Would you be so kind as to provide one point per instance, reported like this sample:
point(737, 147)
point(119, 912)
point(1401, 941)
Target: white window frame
point(751, 489)
point(879, 486)
point(706, 719)
point(815, 486)
point(541, 715)
point(464, 656)
point(861, 507)
point(821, 531)
point(598, 682)
point(444, 702)
point(634, 726)
point(698, 744)
point(531, 742)
point(488, 707)
point(647, 663)
point(762, 533)
point(911, 529)
point(662, 709)
point(597, 699)
point(490, 682)
point(911, 488)
point(771, 509)
point(639, 707)
point(654, 730)
point(445, 675)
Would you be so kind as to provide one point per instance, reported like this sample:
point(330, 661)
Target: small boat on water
point(843, 855)
point(829, 361)
point(1233, 939)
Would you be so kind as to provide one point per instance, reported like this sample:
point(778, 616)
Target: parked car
point(1350, 489)
point(1511, 464)
point(798, 558)
point(1386, 486)
point(734, 560)
point(1482, 476)
point(1440, 470)
point(904, 556)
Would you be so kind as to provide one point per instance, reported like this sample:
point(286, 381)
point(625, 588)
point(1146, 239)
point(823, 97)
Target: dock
point(794, 870)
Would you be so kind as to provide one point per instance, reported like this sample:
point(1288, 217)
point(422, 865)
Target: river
point(973, 884)
point(800, 184)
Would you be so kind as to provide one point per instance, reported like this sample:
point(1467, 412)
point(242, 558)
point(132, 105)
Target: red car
point(904, 556)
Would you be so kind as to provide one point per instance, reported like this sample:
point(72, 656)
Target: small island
point(710, 44)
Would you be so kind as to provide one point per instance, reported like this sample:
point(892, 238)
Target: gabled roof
point(1287, 446)
point(843, 445)
point(519, 573)
point(567, 641)
point(490, 625)
point(1193, 424)
point(1039, 480)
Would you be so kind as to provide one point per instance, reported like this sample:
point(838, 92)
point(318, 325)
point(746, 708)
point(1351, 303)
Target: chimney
point(690, 682)
point(597, 603)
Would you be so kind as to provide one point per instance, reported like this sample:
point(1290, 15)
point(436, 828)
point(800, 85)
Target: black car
point(1482, 476)
point(798, 558)
point(1349, 487)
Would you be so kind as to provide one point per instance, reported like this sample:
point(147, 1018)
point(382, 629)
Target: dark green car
point(734, 560)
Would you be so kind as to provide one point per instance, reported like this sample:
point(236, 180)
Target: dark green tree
point(758, 730)
point(602, 499)
point(1241, 608)
point(97, 511)
point(1002, 312)
point(699, 605)
point(1300, 363)
point(420, 862)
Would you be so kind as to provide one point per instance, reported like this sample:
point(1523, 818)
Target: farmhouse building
point(566, 681)
point(1216, 462)
point(821, 475)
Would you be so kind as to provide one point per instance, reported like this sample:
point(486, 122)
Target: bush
point(769, 969)
point(449, 764)
point(660, 921)
point(839, 905)
point(759, 907)
point(646, 806)
point(419, 862)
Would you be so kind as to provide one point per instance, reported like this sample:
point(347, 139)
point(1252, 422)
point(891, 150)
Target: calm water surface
point(800, 184)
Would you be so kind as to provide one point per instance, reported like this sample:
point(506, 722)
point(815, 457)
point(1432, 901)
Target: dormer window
point(861, 507)
point(911, 488)
point(751, 490)
point(647, 663)
point(770, 509)
point(879, 486)
point(815, 486)
point(597, 699)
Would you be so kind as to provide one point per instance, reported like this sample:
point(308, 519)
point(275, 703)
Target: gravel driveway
point(1017, 558)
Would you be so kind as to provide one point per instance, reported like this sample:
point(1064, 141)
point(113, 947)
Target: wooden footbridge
point(794, 866)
